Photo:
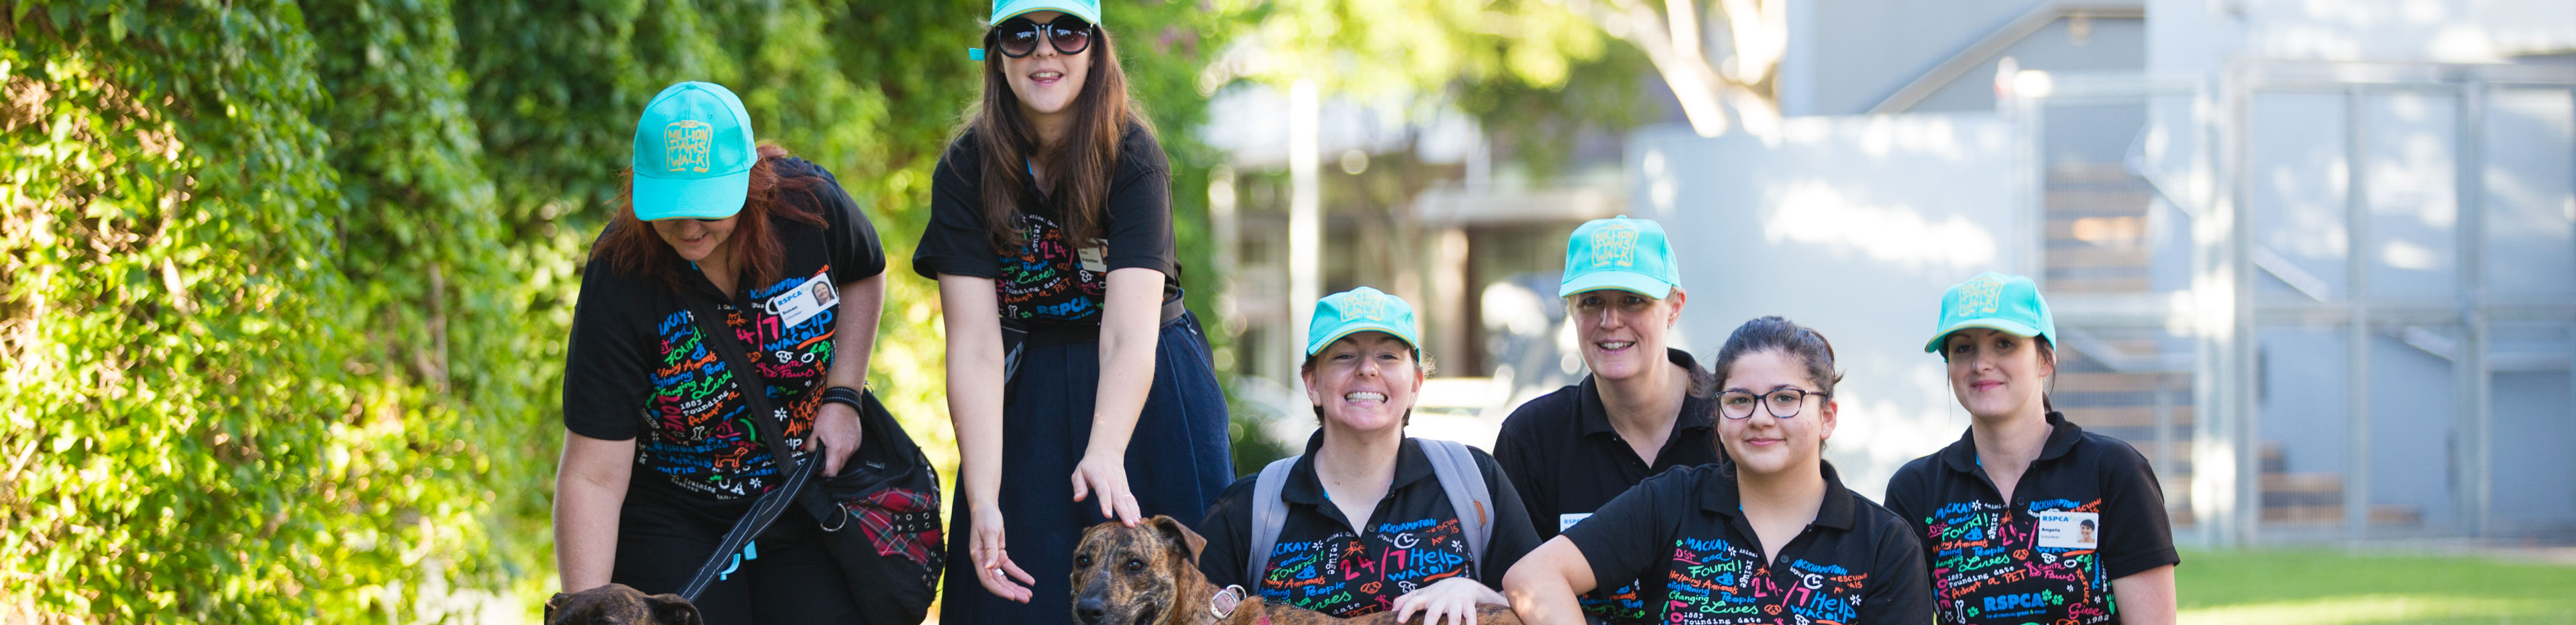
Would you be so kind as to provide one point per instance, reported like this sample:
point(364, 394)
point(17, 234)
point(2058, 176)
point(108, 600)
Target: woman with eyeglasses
point(660, 454)
point(1769, 535)
point(1081, 389)
point(2029, 518)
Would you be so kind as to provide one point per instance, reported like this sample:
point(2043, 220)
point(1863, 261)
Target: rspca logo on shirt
point(1614, 246)
point(686, 145)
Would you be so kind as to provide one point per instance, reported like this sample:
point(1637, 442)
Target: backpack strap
point(1269, 514)
point(1468, 496)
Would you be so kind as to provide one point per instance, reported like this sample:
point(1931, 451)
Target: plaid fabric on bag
point(900, 522)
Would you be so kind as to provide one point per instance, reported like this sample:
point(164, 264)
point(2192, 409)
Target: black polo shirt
point(2086, 512)
point(1686, 531)
point(1856, 563)
point(1560, 451)
point(636, 367)
point(1325, 563)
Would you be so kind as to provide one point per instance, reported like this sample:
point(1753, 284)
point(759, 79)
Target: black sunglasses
point(1018, 37)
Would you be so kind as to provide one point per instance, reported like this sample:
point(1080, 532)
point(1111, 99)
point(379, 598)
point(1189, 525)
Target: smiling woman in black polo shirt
point(1635, 415)
point(1365, 521)
point(1771, 536)
point(2028, 518)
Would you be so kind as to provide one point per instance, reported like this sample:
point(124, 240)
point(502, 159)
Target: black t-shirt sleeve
point(607, 370)
point(954, 242)
point(1514, 536)
point(2136, 535)
point(1139, 231)
point(1904, 493)
point(1902, 592)
point(1228, 530)
point(1624, 539)
point(1519, 463)
point(852, 238)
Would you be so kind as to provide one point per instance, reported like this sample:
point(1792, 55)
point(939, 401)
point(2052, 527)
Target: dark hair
point(1773, 333)
point(1079, 170)
point(1776, 333)
point(633, 248)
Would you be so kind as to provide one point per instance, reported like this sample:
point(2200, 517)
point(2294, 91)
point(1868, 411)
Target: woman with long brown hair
point(1072, 366)
point(661, 454)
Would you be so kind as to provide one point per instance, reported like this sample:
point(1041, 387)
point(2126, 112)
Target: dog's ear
point(1178, 536)
point(670, 609)
point(555, 604)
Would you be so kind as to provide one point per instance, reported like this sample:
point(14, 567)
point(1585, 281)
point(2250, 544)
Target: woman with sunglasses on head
point(1769, 535)
point(1081, 389)
point(2028, 518)
point(662, 453)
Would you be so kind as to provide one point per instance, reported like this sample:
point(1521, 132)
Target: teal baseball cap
point(693, 154)
point(1994, 301)
point(1361, 310)
point(1088, 10)
point(1619, 253)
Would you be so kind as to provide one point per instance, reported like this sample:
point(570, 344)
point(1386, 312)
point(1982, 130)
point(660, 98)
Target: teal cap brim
point(1632, 282)
point(714, 197)
point(1313, 346)
point(2007, 326)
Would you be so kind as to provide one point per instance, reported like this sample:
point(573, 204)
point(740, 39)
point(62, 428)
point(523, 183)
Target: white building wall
point(1864, 221)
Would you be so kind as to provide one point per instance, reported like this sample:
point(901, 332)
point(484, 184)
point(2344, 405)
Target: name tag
point(806, 300)
point(1567, 521)
point(1094, 259)
point(2072, 530)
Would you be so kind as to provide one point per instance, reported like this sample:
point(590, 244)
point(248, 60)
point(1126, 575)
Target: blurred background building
point(2316, 260)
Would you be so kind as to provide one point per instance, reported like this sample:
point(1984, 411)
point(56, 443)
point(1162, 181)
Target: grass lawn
point(2337, 588)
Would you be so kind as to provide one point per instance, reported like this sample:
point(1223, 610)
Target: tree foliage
point(284, 286)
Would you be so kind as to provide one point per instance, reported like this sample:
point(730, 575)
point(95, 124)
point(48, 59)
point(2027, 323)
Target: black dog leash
point(715, 337)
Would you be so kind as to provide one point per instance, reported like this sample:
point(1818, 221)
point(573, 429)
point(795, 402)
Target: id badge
point(2071, 530)
point(1094, 259)
point(1567, 521)
point(805, 301)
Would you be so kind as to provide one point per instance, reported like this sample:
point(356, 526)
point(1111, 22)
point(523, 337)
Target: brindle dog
point(619, 604)
point(1149, 575)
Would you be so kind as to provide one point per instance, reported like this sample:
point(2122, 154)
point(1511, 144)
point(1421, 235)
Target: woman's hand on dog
point(993, 565)
point(1451, 600)
point(836, 428)
point(1102, 475)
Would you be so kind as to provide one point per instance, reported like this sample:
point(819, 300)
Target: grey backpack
point(1450, 461)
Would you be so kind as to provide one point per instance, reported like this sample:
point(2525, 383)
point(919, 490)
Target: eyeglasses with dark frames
point(1781, 403)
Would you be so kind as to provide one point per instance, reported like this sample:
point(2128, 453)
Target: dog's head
point(619, 604)
point(1132, 575)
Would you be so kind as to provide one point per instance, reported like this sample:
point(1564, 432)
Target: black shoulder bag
point(887, 488)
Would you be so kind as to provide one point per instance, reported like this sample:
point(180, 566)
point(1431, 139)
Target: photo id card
point(1095, 259)
point(803, 302)
point(2072, 530)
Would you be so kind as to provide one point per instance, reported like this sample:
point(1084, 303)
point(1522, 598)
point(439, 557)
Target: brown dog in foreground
point(619, 604)
point(1149, 575)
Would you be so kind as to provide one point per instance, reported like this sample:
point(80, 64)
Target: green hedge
point(283, 286)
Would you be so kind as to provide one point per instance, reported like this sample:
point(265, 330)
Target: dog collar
point(1225, 601)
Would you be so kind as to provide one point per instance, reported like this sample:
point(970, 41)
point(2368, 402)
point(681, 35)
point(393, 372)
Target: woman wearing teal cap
point(1368, 520)
point(2028, 518)
point(661, 454)
point(1081, 388)
point(1635, 415)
